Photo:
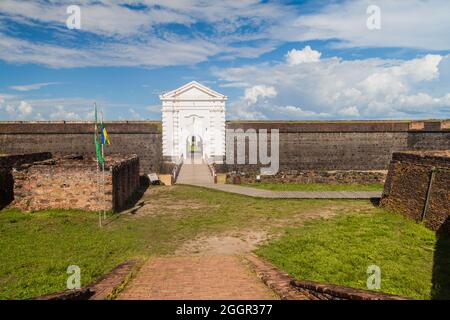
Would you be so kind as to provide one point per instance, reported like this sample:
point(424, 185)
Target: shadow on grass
point(6, 187)
point(375, 201)
point(441, 264)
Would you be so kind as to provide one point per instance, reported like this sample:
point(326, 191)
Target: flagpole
point(103, 171)
point(97, 169)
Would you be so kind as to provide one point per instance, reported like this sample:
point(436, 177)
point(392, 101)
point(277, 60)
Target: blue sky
point(273, 59)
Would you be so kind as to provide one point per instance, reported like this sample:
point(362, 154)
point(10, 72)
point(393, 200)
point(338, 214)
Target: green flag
point(98, 147)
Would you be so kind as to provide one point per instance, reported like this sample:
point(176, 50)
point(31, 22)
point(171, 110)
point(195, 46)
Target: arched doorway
point(194, 146)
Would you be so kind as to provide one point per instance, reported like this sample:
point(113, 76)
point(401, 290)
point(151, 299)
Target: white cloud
point(349, 111)
point(259, 91)
point(404, 24)
point(155, 52)
point(305, 55)
point(15, 107)
point(10, 109)
point(115, 34)
point(128, 37)
point(102, 18)
point(25, 108)
point(21, 110)
point(154, 108)
point(134, 114)
point(60, 113)
point(34, 86)
point(298, 112)
point(337, 88)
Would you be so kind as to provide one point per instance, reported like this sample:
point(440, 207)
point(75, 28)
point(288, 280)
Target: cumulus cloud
point(16, 107)
point(305, 55)
point(259, 91)
point(336, 88)
point(25, 108)
point(21, 110)
point(298, 112)
point(60, 113)
point(349, 111)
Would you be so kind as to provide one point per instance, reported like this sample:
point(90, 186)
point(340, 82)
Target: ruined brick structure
point(418, 186)
point(75, 183)
point(7, 162)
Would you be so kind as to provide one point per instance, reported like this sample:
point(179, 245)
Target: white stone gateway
point(193, 123)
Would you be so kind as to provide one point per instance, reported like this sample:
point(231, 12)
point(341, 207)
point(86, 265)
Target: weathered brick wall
point(408, 184)
point(312, 176)
point(342, 145)
point(428, 140)
point(6, 179)
point(125, 179)
point(75, 184)
point(62, 138)
point(11, 160)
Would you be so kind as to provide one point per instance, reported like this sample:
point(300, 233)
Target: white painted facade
point(193, 120)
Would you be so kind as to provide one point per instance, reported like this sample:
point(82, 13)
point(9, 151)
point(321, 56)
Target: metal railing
point(212, 170)
point(176, 169)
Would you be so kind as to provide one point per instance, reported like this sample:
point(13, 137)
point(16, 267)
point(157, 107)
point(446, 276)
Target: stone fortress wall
point(304, 145)
point(418, 186)
point(347, 145)
point(64, 138)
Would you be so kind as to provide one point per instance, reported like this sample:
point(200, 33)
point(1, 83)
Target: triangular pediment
point(193, 91)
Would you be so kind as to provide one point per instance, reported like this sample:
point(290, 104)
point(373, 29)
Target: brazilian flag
point(104, 134)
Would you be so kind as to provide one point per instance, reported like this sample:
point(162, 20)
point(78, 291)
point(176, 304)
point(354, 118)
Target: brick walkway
point(261, 193)
point(196, 277)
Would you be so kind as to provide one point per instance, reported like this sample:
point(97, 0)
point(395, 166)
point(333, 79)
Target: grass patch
point(37, 248)
point(413, 261)
point(316, 186)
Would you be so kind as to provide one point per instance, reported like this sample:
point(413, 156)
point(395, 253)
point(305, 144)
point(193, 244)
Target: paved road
point(261, 193)
point(197, 174)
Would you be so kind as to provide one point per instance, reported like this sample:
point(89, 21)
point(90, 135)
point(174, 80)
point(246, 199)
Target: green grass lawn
point(36, 248)
point(413, 261)
point(316, 186)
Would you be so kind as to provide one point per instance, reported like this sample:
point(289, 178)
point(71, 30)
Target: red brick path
point(196, 277)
